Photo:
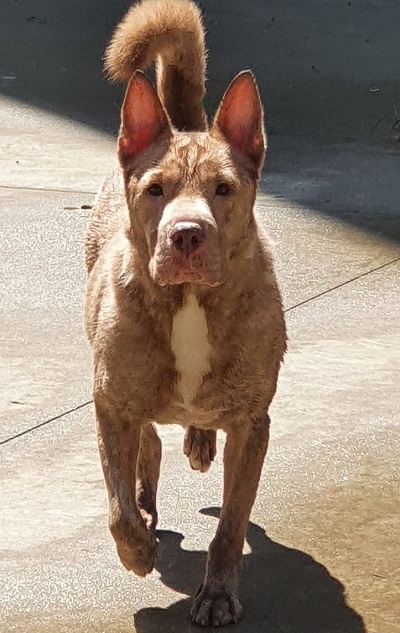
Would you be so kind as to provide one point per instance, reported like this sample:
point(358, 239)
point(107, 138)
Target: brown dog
point(182, 306)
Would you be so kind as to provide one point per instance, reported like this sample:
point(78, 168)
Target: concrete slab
point(59, 568)
point(322, 553)
point(44, 360)
point(44, 151)
point(315, 252)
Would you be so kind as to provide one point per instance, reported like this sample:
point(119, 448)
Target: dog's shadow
point(283, 590)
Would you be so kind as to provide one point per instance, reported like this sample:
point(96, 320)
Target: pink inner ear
point(143, 117)
point(138, 141)
point(238, 135)
point(240, 117)
point(237, 117)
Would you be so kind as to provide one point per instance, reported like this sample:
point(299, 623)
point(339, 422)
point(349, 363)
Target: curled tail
point(171, 33)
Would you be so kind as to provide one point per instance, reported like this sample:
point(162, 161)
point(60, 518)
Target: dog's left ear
point(240, 118)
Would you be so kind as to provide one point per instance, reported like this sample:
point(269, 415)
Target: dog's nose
point(187, 237)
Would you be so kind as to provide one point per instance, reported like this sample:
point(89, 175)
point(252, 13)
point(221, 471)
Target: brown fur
point(182, 307)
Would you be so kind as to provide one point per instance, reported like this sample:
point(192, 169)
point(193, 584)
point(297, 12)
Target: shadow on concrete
point(358, 185)
point(282, 589)
point(51, 57)
point(325, 69)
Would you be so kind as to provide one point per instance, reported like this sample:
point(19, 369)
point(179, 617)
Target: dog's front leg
point(119, 445)
point(147, 474)
point(217, 603)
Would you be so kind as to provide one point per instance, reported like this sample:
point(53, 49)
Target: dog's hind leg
point(119, 447)
point(147, 474)
point(200, 447)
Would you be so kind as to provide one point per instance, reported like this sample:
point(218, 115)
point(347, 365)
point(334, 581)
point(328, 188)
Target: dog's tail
point(171, 33)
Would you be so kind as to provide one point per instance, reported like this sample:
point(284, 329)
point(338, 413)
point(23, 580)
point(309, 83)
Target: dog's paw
point(137, 552)
point(215, 607)
point(200, 447)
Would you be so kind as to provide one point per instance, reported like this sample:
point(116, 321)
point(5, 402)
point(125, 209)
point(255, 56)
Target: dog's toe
point(200, 447)
point(215, 610)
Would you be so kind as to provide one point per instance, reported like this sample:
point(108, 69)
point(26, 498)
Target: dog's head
point(191, 194)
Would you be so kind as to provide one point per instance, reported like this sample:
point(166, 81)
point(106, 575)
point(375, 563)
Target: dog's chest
point(190, 344)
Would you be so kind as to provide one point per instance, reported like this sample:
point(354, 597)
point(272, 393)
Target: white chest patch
point(189, 342)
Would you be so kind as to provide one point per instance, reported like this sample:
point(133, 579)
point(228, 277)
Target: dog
point(182, 308)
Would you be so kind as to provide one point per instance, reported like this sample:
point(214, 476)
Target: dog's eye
point(222, 189)
point(155, 190)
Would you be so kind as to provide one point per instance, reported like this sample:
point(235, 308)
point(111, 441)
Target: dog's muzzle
point(188, 247)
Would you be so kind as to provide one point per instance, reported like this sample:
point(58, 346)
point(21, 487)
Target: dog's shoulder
point(108, 216)
point(108, 254)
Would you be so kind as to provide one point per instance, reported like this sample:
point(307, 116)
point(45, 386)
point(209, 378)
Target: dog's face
point(191, 195)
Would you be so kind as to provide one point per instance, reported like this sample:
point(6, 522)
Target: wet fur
point(131, 318)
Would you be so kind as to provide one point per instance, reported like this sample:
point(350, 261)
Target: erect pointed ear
point(240, 118)
point(143, 118)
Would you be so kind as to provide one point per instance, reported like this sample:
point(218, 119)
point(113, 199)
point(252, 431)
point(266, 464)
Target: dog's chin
point(167, 270)
point(186, 276)
point(178, 280)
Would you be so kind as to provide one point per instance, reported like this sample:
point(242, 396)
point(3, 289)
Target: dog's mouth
point(187, 258)
point(187, 276)
point(171, 269)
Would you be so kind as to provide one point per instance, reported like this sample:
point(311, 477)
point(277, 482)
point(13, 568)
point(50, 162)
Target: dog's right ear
point(143, 118)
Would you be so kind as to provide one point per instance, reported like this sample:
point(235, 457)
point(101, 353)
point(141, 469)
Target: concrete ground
point(322, 553)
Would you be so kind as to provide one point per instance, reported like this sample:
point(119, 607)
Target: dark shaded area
point(51, 57)
point(327, 70)
point(358, 185)
point(282, 589)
